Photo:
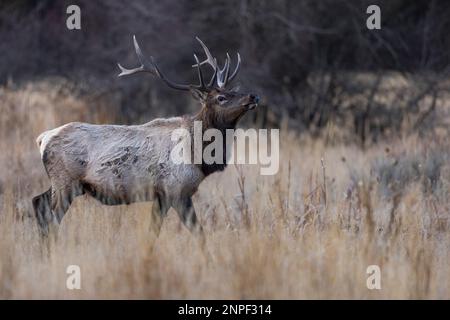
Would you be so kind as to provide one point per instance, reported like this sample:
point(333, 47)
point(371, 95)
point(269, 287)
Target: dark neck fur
point(209, 121)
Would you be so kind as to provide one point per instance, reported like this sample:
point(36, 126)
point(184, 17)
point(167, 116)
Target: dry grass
point(308, 232)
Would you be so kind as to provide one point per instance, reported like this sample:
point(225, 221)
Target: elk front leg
point(186, 212)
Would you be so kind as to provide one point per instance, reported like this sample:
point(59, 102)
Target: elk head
point(221, 107)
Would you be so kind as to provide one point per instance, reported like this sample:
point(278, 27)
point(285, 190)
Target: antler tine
point(222, 72)
point(126, 72)
point(236, 70)
point(142, 68)
point(209, 58)
point(199, 70)
point(213, 78)
point(227, 71)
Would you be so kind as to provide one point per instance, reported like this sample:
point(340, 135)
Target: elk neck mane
point(211, 120)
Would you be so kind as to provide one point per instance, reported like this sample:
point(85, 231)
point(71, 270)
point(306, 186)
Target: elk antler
point(220, 76)
point(153, 68)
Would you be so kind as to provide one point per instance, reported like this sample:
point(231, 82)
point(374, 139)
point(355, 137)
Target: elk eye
point(221, 99)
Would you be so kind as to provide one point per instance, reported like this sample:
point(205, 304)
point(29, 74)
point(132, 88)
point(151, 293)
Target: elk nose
point(254, 98)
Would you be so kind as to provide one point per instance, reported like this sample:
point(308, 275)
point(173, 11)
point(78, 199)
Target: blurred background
point(315, 63)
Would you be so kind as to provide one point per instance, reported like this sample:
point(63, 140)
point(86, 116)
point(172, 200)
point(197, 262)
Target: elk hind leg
point(43, 212)
point(62, 198)
point(159, 211)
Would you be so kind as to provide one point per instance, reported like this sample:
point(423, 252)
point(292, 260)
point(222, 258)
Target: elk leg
point(186, 212)
point(62, 199)
point(42, 211)
point(159, 211)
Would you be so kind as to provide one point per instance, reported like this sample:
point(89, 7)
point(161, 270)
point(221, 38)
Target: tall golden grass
point(310, 231)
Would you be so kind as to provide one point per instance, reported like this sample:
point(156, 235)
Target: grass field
point(310, 231)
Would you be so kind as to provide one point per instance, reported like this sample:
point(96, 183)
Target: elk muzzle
point(251, 101)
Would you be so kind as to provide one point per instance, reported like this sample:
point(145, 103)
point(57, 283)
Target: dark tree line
point(300, 55)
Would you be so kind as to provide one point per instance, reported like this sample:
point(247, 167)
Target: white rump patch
point(45, 137)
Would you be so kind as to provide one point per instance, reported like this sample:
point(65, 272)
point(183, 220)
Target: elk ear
point(198, 94)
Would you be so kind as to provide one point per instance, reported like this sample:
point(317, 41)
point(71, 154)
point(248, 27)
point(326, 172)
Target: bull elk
point(118, 164)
